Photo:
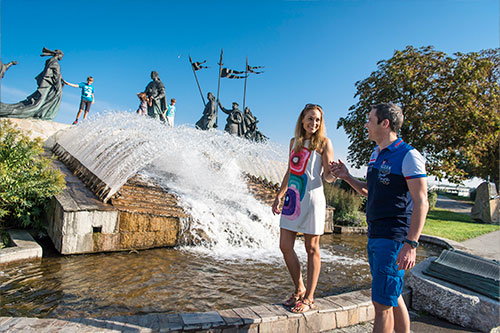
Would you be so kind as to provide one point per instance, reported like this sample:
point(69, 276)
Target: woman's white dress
point(305, 206)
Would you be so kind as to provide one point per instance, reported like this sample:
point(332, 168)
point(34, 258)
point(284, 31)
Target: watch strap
point(413, 244)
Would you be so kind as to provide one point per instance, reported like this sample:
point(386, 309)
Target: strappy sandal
point(293, 300)
point(303, 306)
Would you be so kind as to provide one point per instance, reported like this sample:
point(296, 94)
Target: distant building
point(461, 191)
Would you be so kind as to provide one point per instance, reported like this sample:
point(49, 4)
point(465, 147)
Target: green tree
point(27, 180)
point(451, 106)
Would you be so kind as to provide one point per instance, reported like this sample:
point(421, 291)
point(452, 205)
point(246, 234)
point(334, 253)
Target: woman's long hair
point(317, 139)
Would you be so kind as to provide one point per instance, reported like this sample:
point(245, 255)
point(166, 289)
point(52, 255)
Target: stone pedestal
point(451, 302)
point(487, 204)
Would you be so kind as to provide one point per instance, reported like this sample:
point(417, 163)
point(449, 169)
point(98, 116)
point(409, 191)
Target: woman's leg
point(287, 240)
point(313, 265)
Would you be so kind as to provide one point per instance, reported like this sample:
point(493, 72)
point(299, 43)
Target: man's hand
point(339, 169)
point(406, 257)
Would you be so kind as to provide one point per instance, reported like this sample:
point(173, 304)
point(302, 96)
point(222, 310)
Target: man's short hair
point(90, 78)
point(391, 112)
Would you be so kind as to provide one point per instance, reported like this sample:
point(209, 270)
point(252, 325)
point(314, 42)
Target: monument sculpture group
point(44, 102)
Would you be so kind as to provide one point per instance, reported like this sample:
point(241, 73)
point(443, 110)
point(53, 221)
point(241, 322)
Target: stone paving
point(332, 312)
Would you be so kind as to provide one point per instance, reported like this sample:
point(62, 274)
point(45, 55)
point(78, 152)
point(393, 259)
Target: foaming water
point(203, 168)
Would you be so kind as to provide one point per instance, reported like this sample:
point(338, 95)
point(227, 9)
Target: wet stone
point(202, 320)
point(248, 315)
point(230, 317)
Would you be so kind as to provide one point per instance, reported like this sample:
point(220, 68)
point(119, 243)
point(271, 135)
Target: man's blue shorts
point(387, 280)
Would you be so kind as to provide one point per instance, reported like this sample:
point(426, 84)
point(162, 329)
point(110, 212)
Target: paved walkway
point(463, 207)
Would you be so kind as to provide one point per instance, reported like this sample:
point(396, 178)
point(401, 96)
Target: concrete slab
point(25, 249)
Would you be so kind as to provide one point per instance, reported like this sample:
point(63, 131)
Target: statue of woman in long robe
point(45, 101)
point(209, 118)
point(155, 90)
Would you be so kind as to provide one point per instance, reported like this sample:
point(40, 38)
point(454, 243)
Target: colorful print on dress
point(291, 207)
point(298, 161)
point(300, 183)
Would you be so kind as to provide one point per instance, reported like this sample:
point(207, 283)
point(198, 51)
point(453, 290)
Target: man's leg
point(384, 318)
point(387, 284)
point(401, 317)
point(85, 115)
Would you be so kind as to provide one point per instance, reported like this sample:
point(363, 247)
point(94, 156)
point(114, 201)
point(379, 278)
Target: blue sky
point(313, 51)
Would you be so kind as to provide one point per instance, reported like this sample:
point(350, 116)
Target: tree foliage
point(27, 181)
point(451, 106)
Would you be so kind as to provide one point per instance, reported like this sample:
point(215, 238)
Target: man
point(397, 205)
point(87, 97)
point(235, 122)
point(155, 90)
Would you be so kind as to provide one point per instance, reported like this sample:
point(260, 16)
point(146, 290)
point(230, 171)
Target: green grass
point(454, 226)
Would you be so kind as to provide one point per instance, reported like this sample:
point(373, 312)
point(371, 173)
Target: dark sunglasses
point(309, 105)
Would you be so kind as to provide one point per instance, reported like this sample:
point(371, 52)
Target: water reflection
point(169, 280)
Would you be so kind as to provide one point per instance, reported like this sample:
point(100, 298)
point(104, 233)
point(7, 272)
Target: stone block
point(170, 322)
point(353, 316)
point(201, 320)
point(230, 317)
point(320, 321)
point(26, 249)
point(277, 326)
point(342, 318)
point(344, 302)
point(137, 240)
point(358, 297)
point(133, 222)
point(451, 302)
point(486, 206)
point(105, 242)
point(323, 305)
point(248, 315)
point(266, 314)
point(370, 313)
point(362, 314)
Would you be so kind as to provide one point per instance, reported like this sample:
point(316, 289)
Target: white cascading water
point(203, 168)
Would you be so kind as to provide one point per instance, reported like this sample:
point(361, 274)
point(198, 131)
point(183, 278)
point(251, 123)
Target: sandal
point(293, 300)
point(303, 306)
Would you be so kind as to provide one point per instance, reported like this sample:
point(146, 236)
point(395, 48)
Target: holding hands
point(339, 169)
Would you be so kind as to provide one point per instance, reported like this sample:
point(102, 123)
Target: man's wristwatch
point(413, 244)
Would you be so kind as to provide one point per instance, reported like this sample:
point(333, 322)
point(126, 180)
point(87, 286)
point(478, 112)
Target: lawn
point(454, 226)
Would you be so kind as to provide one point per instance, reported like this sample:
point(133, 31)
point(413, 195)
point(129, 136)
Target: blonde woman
point(304, 204)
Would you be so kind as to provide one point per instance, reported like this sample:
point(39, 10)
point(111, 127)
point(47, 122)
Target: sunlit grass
point(454, 226)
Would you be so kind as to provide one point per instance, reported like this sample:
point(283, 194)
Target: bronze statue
point(45, 101)
point(155, 90)
point(252, 133)
point(5, 67)
point(209, 118)
point(235, 121)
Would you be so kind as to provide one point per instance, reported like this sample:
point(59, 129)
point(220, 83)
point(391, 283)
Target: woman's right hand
point(276, 206)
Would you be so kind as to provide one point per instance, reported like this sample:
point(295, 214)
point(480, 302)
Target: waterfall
point(203, 168)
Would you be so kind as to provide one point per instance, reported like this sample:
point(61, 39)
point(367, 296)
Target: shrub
point(346, 203)
point(432, 197)
point(27, 181)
